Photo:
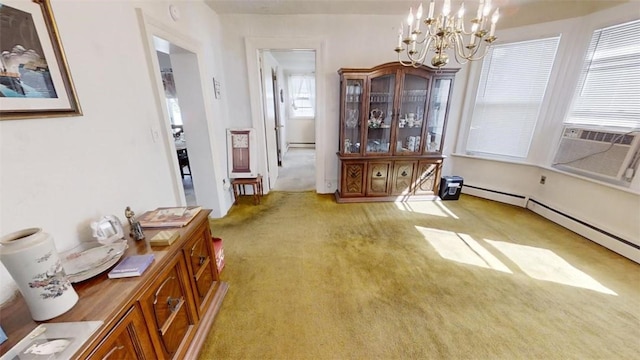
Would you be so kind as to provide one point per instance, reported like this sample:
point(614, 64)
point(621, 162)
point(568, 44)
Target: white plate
point(84, 264)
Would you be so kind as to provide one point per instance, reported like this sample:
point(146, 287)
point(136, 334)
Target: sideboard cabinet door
point(428, 177)
point(378, 178)
point(203, 274)
point(169, 311)
point(129, 339)
point(403, 177)
point(353, 180)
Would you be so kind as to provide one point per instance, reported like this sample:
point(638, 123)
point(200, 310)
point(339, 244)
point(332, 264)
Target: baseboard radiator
point(301, 145)
point(602, 237)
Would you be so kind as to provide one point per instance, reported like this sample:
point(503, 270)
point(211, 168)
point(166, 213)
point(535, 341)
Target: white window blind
point(512, 85)
point(302, 95)
point(608, 92)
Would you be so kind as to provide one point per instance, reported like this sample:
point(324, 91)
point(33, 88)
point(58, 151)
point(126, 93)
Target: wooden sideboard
point(164, 314)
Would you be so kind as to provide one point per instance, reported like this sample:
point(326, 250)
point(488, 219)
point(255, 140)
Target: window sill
point(557, 171)
point(503, 160)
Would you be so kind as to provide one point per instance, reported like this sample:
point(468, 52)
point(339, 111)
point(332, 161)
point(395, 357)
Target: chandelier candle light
point(446, 31)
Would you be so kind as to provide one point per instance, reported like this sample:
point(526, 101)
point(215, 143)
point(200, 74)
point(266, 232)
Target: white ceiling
point(301, 61)
point(514, 12)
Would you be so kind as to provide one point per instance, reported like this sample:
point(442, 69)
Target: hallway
point(298, 171)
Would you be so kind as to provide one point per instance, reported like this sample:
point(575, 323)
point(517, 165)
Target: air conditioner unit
point(605, 154)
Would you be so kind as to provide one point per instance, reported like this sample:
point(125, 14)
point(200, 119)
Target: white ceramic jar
point(31, 258)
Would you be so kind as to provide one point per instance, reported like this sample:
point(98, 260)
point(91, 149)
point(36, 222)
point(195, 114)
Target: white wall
point(62, 173)
point(351, 41)
point(301, 131)
point(612, 209)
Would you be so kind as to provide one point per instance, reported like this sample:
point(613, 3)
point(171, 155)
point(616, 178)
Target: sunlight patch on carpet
point(544, 264)
point(434, 208)
point(461, 248)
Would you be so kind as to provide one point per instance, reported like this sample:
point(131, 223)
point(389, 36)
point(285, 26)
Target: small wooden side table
point(239, 188)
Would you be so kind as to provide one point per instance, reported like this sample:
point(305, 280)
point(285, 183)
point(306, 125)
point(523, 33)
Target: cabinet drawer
point(202, 269)
point(168, 310)
point(129, 339)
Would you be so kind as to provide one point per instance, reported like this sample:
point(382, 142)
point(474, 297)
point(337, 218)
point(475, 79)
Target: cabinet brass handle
point(379, 174)
point(173, 303)
point(155, 297)
point(201, 260)
point(193, 248)
point(114, 349)
point(404, 173)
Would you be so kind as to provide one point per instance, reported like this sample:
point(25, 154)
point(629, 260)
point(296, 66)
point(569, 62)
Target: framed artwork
point(34, 76)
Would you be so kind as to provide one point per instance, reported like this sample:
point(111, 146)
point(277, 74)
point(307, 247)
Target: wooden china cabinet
point(392, 125)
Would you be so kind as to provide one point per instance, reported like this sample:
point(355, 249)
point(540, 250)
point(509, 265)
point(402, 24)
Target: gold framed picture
point(35, 81)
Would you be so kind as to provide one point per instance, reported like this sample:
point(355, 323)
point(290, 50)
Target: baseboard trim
point(496, 191)
point(600, 236)
point(301, 145)
point(495, 195)
point(583, 223)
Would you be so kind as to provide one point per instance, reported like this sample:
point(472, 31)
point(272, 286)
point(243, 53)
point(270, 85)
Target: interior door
point(278, 120)
point(268, 102)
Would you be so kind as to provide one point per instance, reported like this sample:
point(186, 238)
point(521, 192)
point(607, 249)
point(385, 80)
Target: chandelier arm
point(419, 59)
point(459, 48)
point(484, 53)
point(402, 62)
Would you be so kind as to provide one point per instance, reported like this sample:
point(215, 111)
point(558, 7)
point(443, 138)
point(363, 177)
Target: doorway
point(175, 120)
point(289, 103)
point(324, 181)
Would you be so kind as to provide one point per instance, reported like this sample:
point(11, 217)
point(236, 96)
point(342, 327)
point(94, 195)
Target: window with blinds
point(608, 92)
point(512, 85)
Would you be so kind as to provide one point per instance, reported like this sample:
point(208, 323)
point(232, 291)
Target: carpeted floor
point(468, 279)
point(298, 171)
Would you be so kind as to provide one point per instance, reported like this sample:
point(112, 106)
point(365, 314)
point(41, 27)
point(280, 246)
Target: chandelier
point(446, 31)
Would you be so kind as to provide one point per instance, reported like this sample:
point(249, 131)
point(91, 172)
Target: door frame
point(161, 130)
point(278, 120)
point(253, 45)
point(270, 138)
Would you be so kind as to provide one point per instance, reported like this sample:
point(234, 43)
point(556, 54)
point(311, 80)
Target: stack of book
point(164, 238)
point(133, 265)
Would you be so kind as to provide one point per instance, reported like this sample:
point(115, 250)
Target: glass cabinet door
point(380, 113)
point(439, 106)
point(412, 114)
point(352, 127)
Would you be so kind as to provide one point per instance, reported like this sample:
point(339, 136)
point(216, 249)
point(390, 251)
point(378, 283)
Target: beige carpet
point(298, 170)
point(467, 279)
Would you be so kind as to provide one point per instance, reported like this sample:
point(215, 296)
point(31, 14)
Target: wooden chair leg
point(235, 193)
point(256, 195)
